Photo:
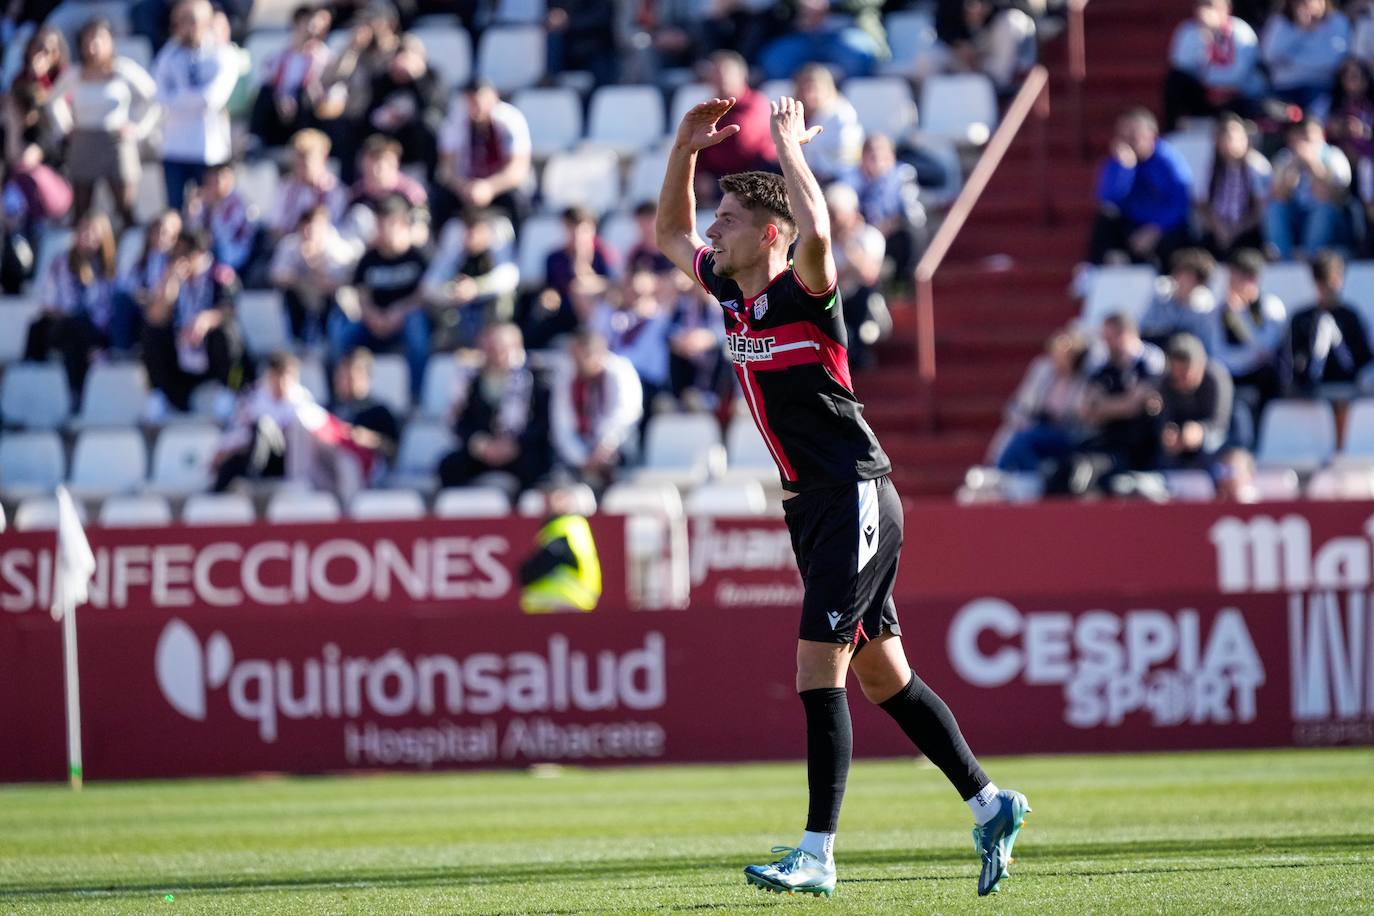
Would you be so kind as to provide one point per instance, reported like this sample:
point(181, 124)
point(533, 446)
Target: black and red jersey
point(788, 346)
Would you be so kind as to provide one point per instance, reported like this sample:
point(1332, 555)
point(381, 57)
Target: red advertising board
point(359, 646)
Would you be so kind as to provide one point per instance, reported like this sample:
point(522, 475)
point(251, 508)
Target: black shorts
point(847, 540)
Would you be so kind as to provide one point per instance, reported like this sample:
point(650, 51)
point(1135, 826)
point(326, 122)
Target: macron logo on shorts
point(868, 534)
point(834, 618)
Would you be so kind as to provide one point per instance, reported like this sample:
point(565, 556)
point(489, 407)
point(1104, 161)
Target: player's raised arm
point(813, 262)
point(675, 227)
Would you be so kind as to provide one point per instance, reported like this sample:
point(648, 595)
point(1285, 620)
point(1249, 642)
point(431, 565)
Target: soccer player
point(786, 336)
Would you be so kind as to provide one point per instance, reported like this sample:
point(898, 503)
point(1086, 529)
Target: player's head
point(752, 220)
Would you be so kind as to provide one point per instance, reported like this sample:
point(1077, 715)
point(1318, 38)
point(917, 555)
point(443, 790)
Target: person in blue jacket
point(1144, 195)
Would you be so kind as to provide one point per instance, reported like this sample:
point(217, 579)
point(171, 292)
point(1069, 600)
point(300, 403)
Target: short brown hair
point(1196, 261)
point(762, 191)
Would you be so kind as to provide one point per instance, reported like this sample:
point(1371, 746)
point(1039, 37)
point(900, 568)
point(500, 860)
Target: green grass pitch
point(1247, 832)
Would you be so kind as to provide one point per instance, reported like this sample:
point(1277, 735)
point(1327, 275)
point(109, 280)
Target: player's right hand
point(698, 128)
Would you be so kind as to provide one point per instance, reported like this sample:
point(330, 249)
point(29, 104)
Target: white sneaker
point(797, 872)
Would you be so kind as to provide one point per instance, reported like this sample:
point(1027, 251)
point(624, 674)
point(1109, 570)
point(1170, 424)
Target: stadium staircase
point(1004, 287)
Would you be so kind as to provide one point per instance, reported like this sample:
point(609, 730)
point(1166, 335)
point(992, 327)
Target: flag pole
point(72, 571)
point(72, 685)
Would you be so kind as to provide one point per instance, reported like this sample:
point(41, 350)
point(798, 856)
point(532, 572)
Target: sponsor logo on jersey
point(760, 306)
point(749, 349)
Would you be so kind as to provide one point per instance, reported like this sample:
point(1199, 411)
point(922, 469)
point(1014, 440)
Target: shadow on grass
point(524, 872)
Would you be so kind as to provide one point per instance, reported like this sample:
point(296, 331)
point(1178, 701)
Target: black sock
point(829, 745)
point(930, 725)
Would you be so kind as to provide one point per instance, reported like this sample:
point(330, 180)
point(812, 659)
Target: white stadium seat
point(1358, 291)
point(1340, 483)
point(539, 236)
point(776, 89)
point(883, 103)
point(533, 504)
point(1292, 282)
point(1198, 150)
point(1118, 288)
point(512, 57)
point(620, 232)
point(682, 449)
point(589, 177)
point(555, 118)
point(114, 395)
point(152, 193)
point(1357, 445)
point(959, 106)
point(262, 45)
point(257, 182)
point(1191, 486)
point(314, 378)
point(262, 319)
point(728, 497)
point(626, 118)
point(747, 455)
point(685, 98)
point(642, 499)
point(911, 36)
point(181, 459)
point(53, 241)
point(15, 317)
point(1296, 434)
point(31, 463)
point(218, 509)
point(472, 502)
point(35, 395)
point(1273, 484)
point(391, 382)
point(449, 52)
point(302, 506)
point(39, 513)
point(520, 11)
point(386, 505)
point(441, 380)
point(135, 512)
point(646, 175)
point(423, 445)
point(136, 48)
point(106, 462)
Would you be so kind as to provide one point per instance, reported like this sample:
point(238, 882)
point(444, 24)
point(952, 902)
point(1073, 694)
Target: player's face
point(736, 239)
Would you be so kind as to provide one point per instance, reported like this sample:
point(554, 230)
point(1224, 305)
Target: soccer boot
point(993, 841)
point(797, 872)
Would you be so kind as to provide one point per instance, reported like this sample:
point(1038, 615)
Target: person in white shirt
point(596, 407)
point(309, 266)
point(838, 146)
point(308, 185)
point(254, 445)
point(195, 75)
point(109, 103)
point(484, 155)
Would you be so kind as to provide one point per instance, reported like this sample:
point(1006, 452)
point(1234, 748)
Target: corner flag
point(71, 574)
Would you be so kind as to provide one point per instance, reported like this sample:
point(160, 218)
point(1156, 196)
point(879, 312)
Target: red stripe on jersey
point(835, 358)
point(825, 292)
point(828, 352)
point(696, 269)
point(753, 398)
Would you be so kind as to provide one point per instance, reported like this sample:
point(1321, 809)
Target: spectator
point(189, 333)
point(294, 85)
point(345, 449)
point(1232, 213)
point(45, 61)
point(837, 148)
point(349, 78)
point(390, 308)
point(888, 200)
point(218, 208)
point(195, 75)
point(1351, 128)
point(309, 184)
point(407, 104)
point(99, 99)
point(658, 35)
point(993, 37)
point(1234, 473)
point(1042, 424)
point(1306, 212)
point(580, 35)
point(752, 147)
point(77, 301)
point(134, 292)
point(1250, 326)
point(702, 377)
point(646, 255)
point(1144, 195)
point(1122, 398)
point(595, 410)
point(858, 249)
point(484, 147)
point(1195, 406)
point(816, 37)
point(1327, 343)
point(584, 261)
point(500, 415)
point(1362, 45)
point(635, 325)
point(381, 180)
point(255, 444)
point(310, 266)
point(33, 193)
point(1183, 302)
point(1302, 46)
point(1214, 65)
point(471, 281)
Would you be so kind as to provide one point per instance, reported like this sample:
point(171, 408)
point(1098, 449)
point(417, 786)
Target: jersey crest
point(760, 306)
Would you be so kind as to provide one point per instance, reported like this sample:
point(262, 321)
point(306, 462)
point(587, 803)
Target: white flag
point(75, 562)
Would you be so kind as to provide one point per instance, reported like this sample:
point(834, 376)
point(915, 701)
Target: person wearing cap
point(1195, 406)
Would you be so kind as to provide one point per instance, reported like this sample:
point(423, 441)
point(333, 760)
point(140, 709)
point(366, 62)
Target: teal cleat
point(994, 840)
point(797, 872)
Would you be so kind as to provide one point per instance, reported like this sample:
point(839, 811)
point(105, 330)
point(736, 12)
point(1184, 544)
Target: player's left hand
point(788, 123)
